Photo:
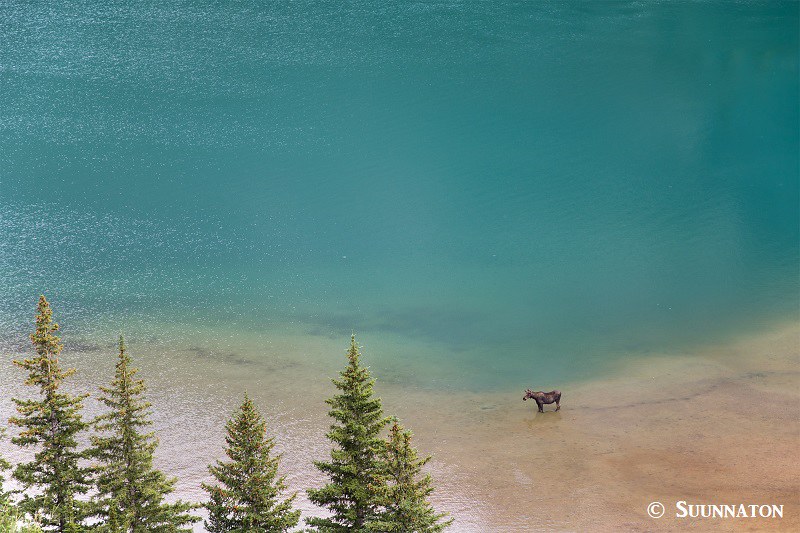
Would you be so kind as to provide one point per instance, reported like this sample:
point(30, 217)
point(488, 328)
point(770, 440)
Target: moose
point(542, 398)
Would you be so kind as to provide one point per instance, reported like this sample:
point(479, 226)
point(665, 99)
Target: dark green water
point(524, 189)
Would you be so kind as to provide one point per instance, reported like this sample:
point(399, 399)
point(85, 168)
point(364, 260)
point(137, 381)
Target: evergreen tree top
point(356, 455)
point(130, 491)
point(51, 423)
point(246, 495)
point(354, 370)
point(356, 400)
point(43, 338)
point(404, 490)
point(45, 369)
point(125, 395)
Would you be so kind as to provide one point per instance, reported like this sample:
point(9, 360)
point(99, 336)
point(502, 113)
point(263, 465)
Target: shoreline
point(722, 426)
point(717, 426)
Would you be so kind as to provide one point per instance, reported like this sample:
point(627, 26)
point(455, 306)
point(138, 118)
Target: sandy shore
point(718, 426)
point(722, 426)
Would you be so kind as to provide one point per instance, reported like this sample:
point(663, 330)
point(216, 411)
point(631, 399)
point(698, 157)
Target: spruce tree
point(350, 495)
point(130, 491)
point(404, 491)
point(245, 497)
point(4, 466)
point(51, 424)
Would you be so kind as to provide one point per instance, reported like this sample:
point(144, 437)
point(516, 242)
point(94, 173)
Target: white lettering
point(683, 509)
point(681, 506)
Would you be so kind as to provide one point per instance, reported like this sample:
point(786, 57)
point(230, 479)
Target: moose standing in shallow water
point(542, 398)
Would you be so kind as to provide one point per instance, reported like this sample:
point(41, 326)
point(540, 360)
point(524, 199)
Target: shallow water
point(661, 427)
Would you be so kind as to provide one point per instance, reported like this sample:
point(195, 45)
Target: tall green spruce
point(130, 491)
point(246, 496)
point(404, 491)
point(355, 466)
point(55, 478)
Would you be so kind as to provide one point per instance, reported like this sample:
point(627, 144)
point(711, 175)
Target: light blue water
point(527, 188)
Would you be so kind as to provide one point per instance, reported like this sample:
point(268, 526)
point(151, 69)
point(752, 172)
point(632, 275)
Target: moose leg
point(541, 406)
point(558, 405)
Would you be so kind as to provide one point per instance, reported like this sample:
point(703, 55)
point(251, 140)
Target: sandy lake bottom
point(716, 426)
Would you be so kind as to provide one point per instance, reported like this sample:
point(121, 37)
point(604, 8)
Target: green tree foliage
point(404, 490)
point(4, 465)
point(356, 456)
point(130, 491)
point(246, 495)
point(12, 522)
point(51, 424)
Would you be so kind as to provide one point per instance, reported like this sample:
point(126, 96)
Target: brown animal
point(542, 398)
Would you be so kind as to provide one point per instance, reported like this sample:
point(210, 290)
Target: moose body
point(542, 398)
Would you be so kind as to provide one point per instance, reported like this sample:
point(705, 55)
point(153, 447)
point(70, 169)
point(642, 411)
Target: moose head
point(528, 394)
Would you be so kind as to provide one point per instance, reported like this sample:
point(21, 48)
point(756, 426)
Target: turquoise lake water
point(525, 189)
